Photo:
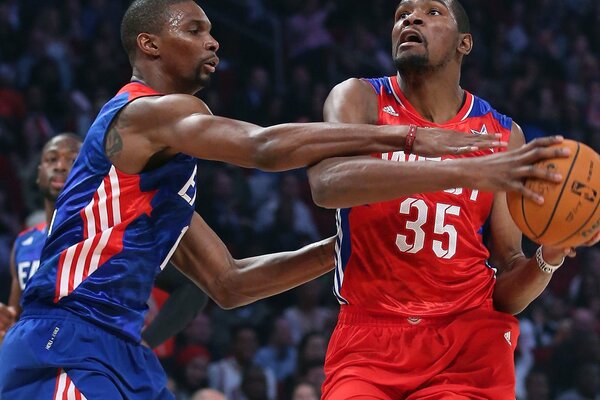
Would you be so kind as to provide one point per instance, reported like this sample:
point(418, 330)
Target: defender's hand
point(434, 142)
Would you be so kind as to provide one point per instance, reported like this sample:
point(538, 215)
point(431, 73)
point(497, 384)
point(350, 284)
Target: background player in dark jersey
point(127, 207)
point(56, 160)
point(420, 306)
point(57, 157)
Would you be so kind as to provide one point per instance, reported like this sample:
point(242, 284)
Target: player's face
point(425, 35)
point(57, 159)
point(187, 48)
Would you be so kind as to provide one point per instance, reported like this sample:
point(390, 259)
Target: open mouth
point(409, 37)
point(57, 183)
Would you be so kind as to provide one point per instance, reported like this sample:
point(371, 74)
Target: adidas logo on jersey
point(390, 110)
point(507, 337)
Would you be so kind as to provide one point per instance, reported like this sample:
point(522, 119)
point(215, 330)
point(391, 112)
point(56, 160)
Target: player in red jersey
point(423, 315)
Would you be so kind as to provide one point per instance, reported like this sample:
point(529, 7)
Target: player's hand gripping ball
point(570, 215)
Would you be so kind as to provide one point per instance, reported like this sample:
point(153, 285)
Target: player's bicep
point(353, 101)
point(216, 138)
point(517, 137)
point(204, 258)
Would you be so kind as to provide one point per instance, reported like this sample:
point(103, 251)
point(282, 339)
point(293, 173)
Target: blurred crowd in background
point(536, 60)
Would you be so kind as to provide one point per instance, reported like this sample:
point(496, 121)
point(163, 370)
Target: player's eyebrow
point(201, 23)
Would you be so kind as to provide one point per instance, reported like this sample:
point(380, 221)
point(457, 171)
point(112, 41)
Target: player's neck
point(437, 97)
point(49, 206)
point(159, 81)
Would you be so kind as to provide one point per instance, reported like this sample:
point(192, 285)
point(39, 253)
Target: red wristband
point(410, 139)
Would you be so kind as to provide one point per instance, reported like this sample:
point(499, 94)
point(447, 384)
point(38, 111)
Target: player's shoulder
point(39, 228)
point(353, 87)
point(481, 107)
point(153, 108)
point(352, 101)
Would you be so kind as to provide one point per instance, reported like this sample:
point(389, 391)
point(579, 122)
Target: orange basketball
point(570, 215)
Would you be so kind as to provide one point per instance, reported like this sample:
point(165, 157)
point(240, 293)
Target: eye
point(435, 11)
point(194, 31)
point(403, 15)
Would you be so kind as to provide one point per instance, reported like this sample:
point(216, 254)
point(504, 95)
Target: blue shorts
point(53, 354)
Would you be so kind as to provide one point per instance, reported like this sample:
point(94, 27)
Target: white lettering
point(22, 268)
point(189, 184)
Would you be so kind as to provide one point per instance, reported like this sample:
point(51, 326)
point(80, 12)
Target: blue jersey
point(27, 252)
point(112, 232)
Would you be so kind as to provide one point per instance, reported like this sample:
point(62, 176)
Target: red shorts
point(465, 356)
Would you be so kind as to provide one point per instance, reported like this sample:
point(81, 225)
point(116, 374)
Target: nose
point(413, 19)
point(62, 164)
point(211, 44)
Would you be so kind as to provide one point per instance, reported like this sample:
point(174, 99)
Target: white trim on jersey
point(115, 189)
point(470, 107)
point(394, 93)
point(168, 257)
point(93, 244)
point(338, 278)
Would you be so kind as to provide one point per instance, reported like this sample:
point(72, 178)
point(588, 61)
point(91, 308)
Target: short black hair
point(60, 136)
point(461, 16)
point(143, 16)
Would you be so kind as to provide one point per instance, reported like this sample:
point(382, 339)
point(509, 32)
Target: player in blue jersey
point(128, 208)
point(56, 160)
point(57, 157)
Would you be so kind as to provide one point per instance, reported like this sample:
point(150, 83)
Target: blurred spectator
point(279, 355)
point(536, 387)
point(254, 385)
point(208, 394)
point(286, 219)
point(192, 367)
point(226, 375)
point(307, 315)
point(305, 391)
point(587, 384)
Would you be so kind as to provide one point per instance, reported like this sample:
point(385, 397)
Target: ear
point(465, 44)
point(148, 44)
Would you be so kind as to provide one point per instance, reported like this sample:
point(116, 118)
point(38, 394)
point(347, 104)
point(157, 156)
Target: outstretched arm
point(203, 257)
point(159, 127)
point(519, 280)
point(351, 181)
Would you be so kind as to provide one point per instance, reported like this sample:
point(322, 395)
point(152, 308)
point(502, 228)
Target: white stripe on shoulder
point(470, 106)
point(394, 93)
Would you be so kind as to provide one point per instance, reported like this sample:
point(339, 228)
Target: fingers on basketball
point(570, 214)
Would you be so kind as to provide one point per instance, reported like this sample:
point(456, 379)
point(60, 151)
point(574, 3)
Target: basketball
point(570, 215)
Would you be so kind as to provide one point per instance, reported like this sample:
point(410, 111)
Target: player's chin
point(204, 80)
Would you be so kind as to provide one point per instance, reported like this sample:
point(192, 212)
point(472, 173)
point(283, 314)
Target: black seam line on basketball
point(524, 214)
point(562, 190)
point(584, 224)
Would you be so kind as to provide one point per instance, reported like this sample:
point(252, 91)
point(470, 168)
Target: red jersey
point(419, 255)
